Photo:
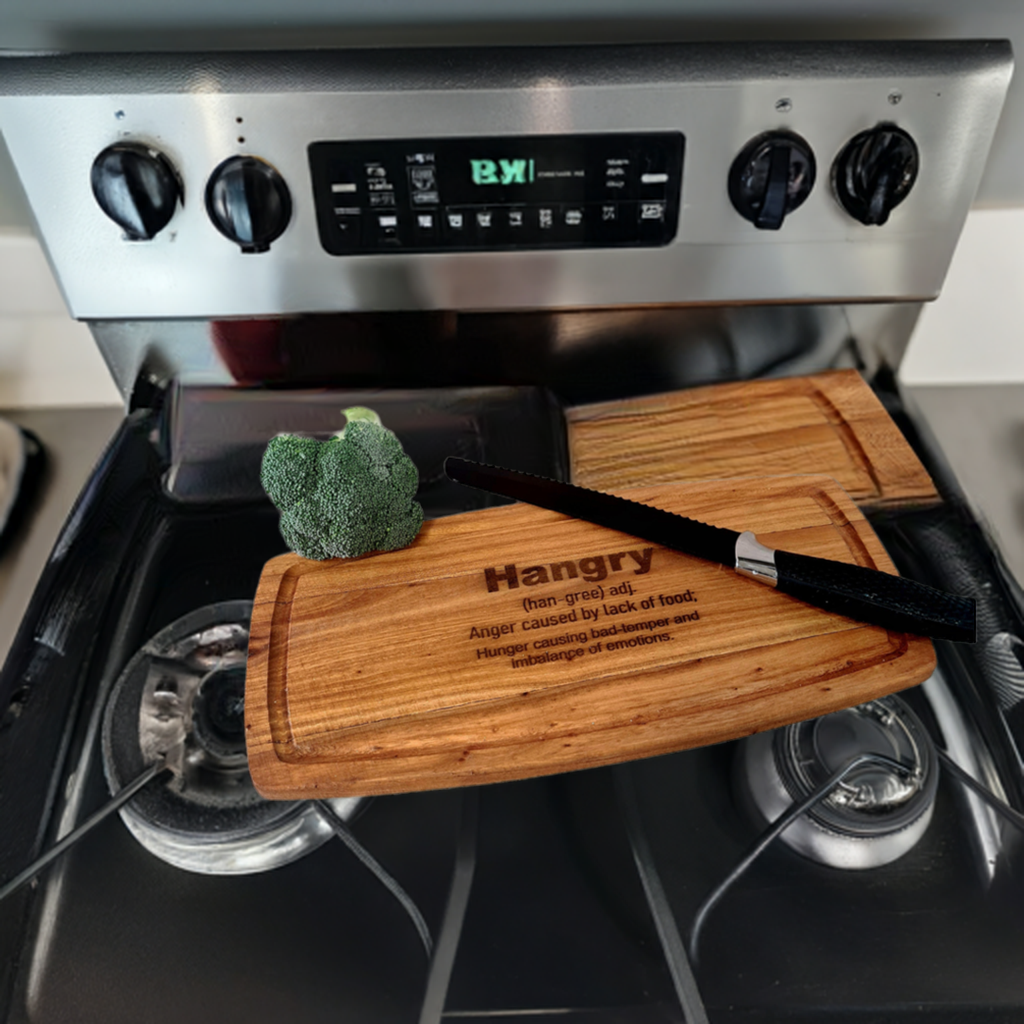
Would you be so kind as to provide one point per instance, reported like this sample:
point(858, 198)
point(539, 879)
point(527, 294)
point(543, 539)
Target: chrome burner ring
point(182, 695)
point(877, 813)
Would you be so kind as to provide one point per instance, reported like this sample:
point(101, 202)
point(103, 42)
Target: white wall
point(974, 332)
point(46, 358)
point(963, 373)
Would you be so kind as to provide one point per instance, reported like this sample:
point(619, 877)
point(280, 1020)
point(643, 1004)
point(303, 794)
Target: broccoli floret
point(346, 496)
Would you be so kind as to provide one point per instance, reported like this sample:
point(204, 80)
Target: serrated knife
point(852, 590)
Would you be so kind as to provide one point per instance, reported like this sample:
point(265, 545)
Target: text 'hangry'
point(591, 570)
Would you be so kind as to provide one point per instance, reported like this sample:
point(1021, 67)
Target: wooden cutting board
point(514, 642)
point(828, 423)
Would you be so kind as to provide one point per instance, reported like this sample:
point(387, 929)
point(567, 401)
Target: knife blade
point(859, 593)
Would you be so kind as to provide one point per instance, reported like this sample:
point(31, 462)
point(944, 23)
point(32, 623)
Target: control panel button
point(387, 228)
point(457, 224)
point(654, 177)
point(343, 182)
point(423, 185)
point(349, 224)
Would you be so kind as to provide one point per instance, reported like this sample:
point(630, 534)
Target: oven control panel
point(497, 193)
point(195, 186)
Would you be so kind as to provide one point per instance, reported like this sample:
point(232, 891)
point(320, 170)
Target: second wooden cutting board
point(829, 423)
point(515, 642)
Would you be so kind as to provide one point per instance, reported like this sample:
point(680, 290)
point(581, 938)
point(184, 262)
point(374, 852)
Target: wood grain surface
point(464, 659)
point(828, 423)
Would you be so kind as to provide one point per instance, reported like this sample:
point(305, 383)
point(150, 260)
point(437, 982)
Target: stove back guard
point(667, 120)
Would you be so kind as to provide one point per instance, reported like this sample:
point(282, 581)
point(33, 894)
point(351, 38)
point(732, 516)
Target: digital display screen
point(502, 172)
point(525, 192)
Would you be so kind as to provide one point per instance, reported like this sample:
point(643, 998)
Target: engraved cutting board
point(515, 642)
point(828, 423)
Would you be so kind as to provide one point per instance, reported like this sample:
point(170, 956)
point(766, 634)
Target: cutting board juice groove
point(515, 642)
point(829, 423)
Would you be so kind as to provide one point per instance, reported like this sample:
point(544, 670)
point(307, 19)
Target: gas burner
point(877, 813)
point(182, 696)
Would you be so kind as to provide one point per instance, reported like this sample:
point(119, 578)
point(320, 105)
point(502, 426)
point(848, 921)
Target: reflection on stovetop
point(795, 938)
point(558, 924)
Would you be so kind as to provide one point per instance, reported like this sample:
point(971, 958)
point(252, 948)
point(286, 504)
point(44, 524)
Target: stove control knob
point(136, 187)
point(248, 202)
point(771, 177)
point(875, 172)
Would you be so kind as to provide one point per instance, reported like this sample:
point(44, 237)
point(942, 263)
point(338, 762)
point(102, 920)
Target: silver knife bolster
point(754, 560)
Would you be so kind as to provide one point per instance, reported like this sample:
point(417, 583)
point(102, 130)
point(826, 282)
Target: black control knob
point(248, 202)
point(136, 187)
point(875, 172)
point(771, 177)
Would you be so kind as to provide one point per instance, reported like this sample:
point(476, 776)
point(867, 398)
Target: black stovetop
point(557, 924)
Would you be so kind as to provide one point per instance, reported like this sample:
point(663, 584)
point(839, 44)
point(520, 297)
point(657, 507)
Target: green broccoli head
point(346, 496)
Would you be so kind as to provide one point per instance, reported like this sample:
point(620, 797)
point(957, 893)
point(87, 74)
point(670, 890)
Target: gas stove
point(546, 898)
point(688, 215)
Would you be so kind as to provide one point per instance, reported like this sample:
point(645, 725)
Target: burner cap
point(183, 695)
point(878, 812)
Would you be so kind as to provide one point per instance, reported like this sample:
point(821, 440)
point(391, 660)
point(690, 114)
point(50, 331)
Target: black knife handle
point(877, 597)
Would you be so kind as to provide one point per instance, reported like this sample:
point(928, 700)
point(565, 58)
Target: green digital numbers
point(501, 172)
